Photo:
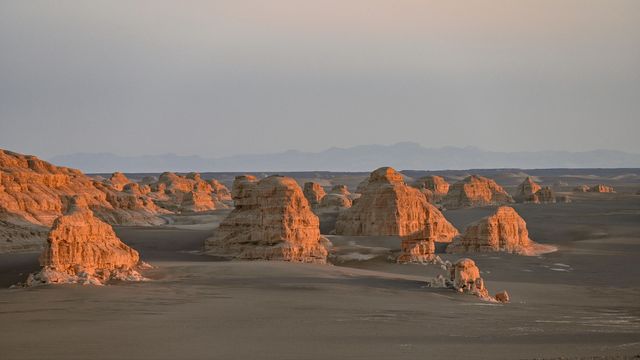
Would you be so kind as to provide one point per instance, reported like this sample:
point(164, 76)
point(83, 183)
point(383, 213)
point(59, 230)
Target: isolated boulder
point(465, 276)
point(83, 249)
point(272, 220)
point(314, 193)
point(503, 231)
point(476, 191)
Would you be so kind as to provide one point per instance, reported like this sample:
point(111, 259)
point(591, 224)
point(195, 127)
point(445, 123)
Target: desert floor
point(583, 300)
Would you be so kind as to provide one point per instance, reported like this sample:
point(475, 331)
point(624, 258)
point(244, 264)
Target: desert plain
point(581, 301)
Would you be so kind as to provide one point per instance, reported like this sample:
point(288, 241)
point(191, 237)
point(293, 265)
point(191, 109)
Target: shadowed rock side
point(434, 187)
point(272, 220)
point(503, 231)
point(35, 191)
point(314, 193)
point(336, 200)
point(82, 249)
point(476, 191)
point(389, 207)
point(526, 190)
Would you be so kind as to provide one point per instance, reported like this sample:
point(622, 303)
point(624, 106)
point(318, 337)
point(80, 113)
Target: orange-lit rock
point(526, 190)
point(337, 199)
point(465, 276)
point(436, 184)
point(314, 193)
point(475, 191)
point(601, 188)
point(188, 193)
point(503, 231)
point(502, 296)
point(272, 220)
point(221, 194)
point(118, 180)
point(81, 248)
point(389, 207)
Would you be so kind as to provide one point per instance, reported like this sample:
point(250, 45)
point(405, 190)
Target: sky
point(219, 78)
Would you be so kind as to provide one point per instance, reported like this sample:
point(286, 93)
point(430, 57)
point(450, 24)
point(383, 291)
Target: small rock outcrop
point(118, 180)
point(337, 199)
point(272, 220)
point(465, 276)
point(526, 190)
point(436, 184)
point(476, 191)
point(314, 193)
point(83, 249)
point(601, 188)
point(543, 196)
point(503, 231)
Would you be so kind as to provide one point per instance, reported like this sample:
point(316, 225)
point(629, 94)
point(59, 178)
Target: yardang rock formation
point(476, 191)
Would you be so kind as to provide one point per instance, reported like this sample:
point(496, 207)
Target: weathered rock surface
point(272, 220)
point(503, 231)
point(314, 193)
point(436, 184)
point(118, 180)
point(336, 200)
point(81, 248)
point(465, 276)
point(601, 188)
point(476, 191)
point(389, 207)
point(543, 196)
point(189, 193)
point(526, 190)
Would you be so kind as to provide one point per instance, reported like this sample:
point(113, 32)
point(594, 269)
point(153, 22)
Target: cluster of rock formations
point(389, 207)
point(272, 220)
point(530, 192)
point(433, 187)
point(599, 188)
point(188, 193)
point(338, 199)
point(83, 249)
point(475, 191)
point(503, 231)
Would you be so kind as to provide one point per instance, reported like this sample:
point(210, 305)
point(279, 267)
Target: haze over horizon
point(223, 78)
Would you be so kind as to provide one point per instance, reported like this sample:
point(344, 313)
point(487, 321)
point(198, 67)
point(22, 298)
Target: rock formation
point(503, 231)
point(465, 276)
point(221, 195)
point(118, 180)
point(475, 191)
point(337, 199)
point(543, 196)
point(272, 220)
point(526, 190)
point(188, 193)
point(314, 193)
point(81, 248)
point(436, 184)
point(601, 188)
point(581, 189)
point(389, 207)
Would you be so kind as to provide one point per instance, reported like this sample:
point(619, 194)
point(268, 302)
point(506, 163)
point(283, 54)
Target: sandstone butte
point(530, 192)
point(83, 249)
point(389, 207)
point(475, 191)
point(337, 199)
point(272, 220)
point(436, 184)
point(188, 193)
point(314, 193)
point(503, 231)
point(465, 278)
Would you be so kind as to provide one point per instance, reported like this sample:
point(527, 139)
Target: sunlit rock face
point(336, 200)
point(526, 190)
point(465, 277)
point(118, 180)
point(314, 193)
point(35, 191)
point(389, 207)
point(188, 193)
point(503, 231)
point(476, 191)
point(601, 188)
point(272, 220)
point(436, 184)
point(81, 248)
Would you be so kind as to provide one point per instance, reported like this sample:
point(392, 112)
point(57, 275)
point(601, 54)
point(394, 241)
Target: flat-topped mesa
point(314, 193)
point(526, 190)
point(503, 231)
point(601, 188)
point(476, 191)
point(272, 220)
point(389, 207)
point(118, 180)
point(83, 249)
point(337, 199)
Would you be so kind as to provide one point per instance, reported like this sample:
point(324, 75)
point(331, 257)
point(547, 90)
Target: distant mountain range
point(402, 156)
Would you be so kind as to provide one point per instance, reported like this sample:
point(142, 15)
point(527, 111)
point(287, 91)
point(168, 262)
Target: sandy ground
point(581, 301)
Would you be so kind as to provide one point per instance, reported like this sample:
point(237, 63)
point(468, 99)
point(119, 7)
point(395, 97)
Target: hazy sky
point(217, 78)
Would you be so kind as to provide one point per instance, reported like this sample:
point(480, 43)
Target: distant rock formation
point(601, 188)
point(543, 196)
point(436, 184)
point(221, 195)
point(581, 189)
point(476, 191)
point(314, 193)
point(118, 180)
point(526, 190)
point(82, 249)
point(272, 220)
point(336, 200)
point(188, 193)
point(503, 231)
point(389, 207)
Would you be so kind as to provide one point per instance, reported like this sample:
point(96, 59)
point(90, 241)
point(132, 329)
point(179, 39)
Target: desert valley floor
point(581, 301)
